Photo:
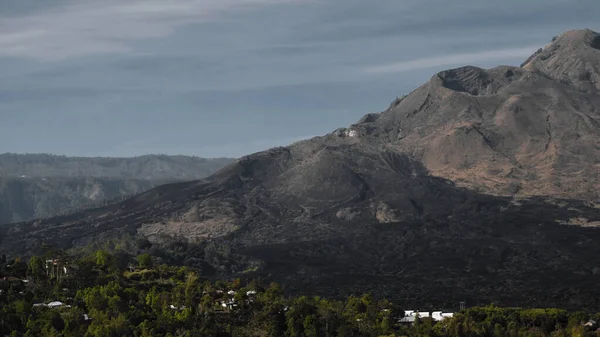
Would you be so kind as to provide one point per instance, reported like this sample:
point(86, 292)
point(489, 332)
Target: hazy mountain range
point(42, 185)
point(480, 185)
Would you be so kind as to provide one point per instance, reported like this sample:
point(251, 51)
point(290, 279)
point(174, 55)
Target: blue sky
point(230, 77)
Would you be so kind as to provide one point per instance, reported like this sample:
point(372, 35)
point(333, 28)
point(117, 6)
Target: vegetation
point(105, 294)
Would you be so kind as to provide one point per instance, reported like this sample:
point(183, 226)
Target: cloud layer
point(88, 27)
point(205, 76)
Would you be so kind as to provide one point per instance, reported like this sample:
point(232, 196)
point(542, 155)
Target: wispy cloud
point(92, 27)
point(449, 60)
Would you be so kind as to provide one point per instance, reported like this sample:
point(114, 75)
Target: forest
point(107, 294)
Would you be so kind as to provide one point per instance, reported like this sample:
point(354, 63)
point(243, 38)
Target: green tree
point(102, 259)
point(192, 294)
point(423, 327)
point(36, 268)
point(311, 328)
point(499, 331)
point(145, 260)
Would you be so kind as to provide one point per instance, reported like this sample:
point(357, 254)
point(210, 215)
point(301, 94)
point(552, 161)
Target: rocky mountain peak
point(572, 58)
point(585, 37)
point(526, 130)
point(476, 81)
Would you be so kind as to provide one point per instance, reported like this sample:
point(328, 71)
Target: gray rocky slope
point(480, 185)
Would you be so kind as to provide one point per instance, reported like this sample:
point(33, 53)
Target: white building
point(411, 315)
point(229, 304)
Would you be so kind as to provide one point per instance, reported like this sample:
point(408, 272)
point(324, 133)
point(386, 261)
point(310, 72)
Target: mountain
point(148, 167)
point(526, 131)
point(41, 185)
point(479, 185)
point(28, 198)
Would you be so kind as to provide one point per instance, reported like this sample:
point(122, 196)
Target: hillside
point(40, 185)
point(148, 167)
point(27, 198)
point(481, 185)
point(510, 131)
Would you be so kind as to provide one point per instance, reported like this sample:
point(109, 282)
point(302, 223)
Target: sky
point(226, 78)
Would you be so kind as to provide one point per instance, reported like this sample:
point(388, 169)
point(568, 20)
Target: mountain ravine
point(479, 186)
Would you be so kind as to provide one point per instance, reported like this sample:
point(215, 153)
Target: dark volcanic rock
point(394, 203)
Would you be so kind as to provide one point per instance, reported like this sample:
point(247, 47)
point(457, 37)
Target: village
point(90, 292)
point(225, 301)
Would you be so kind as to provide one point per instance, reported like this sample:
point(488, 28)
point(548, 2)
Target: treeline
point(107, 294)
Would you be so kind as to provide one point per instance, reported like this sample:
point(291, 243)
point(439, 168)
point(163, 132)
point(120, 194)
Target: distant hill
point(480, 185)
point(148, 167)
point(42, 185)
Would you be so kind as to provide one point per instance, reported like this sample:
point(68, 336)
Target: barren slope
point(508, 130)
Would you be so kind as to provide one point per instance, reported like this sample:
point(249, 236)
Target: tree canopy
point(102, 298)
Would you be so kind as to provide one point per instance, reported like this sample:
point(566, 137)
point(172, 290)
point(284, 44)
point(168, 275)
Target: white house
point(411, 315)
point(351, 133)
point(229, 304)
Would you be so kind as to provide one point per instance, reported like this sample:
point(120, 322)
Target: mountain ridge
point(544, 119)
point(163, 166)
point(482, 182)
point(42, 185)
